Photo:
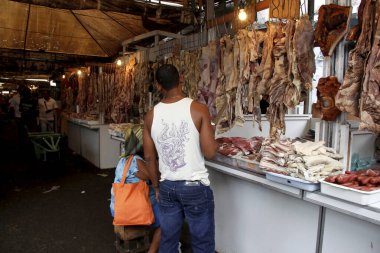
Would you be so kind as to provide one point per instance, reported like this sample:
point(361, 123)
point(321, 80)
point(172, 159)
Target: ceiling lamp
point(242, 14)
point(79, 72)
point(118, 62)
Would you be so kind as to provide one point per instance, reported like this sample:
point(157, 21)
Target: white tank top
point(177, 143)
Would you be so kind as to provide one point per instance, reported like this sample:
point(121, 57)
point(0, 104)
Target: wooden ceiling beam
point(151, 34)
point(262, 5)
point(122, 6)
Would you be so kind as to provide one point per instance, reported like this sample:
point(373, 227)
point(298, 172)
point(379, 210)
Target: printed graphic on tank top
point(171, 142)
point(177, 143)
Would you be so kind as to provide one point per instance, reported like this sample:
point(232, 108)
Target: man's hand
point(157, 191)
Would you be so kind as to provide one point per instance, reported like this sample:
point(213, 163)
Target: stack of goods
point(363, 180)
point(308, 160)
point(240, 147)
point(121, 130)
point(275, 155)
point(83, 117)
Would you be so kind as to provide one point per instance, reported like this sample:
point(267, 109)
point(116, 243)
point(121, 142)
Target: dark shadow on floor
point(58, 206)
point(55, 206)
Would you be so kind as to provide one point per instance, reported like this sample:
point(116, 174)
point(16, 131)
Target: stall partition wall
point(253, 214)
point(296, 126)
point(94, 144)
point(344, 233)
point(251, 218)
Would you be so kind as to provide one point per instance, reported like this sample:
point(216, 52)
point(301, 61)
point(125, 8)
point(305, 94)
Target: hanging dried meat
point(241, 59)
point(303, 49)
point(347, 99)
point(123, 91)
point(254, 43)
point(226, 90)
point(278, 83)
point(229, 70)
point(190, 71)
point(140, 93)
point(332, 25)
point(293, 89)
point(267, 62)
point(209, 76)
point(327, 89)
point(370, 96)
point(355, 31)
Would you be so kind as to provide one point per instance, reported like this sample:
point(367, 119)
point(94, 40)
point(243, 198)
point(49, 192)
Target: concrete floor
point(73, 217)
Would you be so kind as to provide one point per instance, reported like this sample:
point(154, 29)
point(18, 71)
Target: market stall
point(292, 177)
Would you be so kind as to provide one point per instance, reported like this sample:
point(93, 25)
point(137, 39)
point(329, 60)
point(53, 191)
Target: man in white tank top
point(179, 130)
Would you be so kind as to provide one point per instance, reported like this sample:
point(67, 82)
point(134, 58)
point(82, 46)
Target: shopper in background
point(46, 107)
point(179, 130)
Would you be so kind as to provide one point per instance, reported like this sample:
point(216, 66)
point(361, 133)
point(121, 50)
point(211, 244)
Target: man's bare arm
point(150, 150)
point(141, 173)
point(202, 121)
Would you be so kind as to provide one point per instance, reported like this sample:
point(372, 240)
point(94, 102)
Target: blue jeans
point(195, 202)
point(154, 203)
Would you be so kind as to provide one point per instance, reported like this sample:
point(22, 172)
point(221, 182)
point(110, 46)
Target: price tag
point(284, 9)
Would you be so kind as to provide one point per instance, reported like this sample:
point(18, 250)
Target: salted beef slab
point(347, 98)
point(332, 25)
point(303, 47)
point(355, 31)
point(370, 97)
point(327, 89)
point(278, 83)
point(267, 61)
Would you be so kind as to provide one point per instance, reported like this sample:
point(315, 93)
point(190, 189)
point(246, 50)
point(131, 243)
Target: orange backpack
point(132, 204)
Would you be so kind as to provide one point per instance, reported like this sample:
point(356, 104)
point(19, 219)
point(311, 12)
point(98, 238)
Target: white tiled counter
point(253, 214)
point(93, 142)
point(347, 227)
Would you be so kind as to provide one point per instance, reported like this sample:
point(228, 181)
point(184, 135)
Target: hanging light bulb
point(63, 76)
point(118, 62)
point(79, 72)
point(242, 14)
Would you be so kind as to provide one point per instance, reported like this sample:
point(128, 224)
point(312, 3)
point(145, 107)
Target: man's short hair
point(167, 76)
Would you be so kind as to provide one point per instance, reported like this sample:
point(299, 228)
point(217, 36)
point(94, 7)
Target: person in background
point(179, 130)
point(14, 104)
point(137, 172)
point(28, 109)
point(3, 105)
point(46, 107)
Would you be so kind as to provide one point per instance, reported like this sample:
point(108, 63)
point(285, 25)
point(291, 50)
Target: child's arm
point(142, 172)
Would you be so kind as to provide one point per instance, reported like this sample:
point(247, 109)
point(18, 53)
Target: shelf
point(253, 177)
point(369, 213)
